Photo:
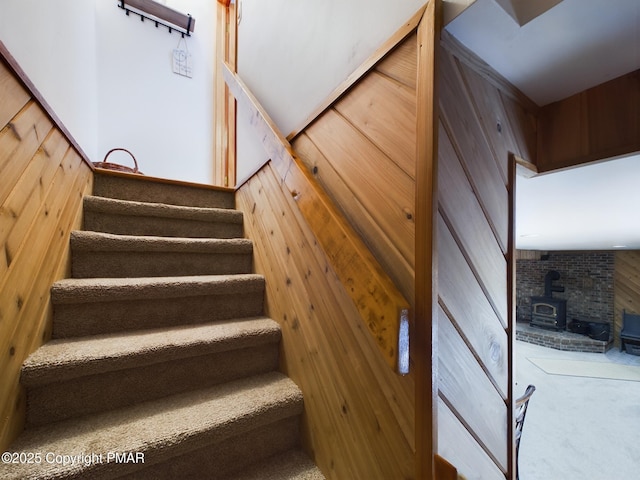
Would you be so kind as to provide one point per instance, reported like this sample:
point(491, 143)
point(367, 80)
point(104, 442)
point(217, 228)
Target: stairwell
point(162, 364)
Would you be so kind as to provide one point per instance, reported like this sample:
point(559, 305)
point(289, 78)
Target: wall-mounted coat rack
point(159, 14)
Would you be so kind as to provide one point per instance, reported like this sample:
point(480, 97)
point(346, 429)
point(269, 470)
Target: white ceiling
point(571, 47)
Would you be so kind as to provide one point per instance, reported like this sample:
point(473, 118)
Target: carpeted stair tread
point(142, 218)
point(132, 208)
point(60, 360)
point(159, 429)
point(291, 465)
point(139, 188)
point(96, 254)
point(106, 242)
point(83, 290)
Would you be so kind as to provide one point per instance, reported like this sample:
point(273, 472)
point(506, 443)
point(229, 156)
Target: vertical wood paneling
point(626, 288)
point(601, 122)
point(43, 181)
point(359, 415)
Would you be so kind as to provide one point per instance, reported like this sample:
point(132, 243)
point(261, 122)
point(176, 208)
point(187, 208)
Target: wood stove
point(547, 311)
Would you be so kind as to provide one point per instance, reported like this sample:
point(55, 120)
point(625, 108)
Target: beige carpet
point(579, 368)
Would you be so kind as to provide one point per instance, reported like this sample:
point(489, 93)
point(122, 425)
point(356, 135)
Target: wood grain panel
point(382, 307)
point(401, 64)
point(458, 116)
point(385, 112)
point(493, 117)
point(524, 126)
point(460, 207)
point(626, 288)
point(13, 95)
point(43, 180)
point(467, 390)
point(385, 190)
point(390, 258)
point(601, 122)
point(358, 420)
point(457, 445)
point(19, 141)
point(463, 298)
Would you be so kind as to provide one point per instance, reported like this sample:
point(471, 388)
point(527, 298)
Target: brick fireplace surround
point(589, 291)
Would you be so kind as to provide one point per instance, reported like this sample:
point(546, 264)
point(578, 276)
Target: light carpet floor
point(578, 428)
point(580, 368)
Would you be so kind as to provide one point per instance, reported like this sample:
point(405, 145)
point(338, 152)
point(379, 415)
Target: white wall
point(164, 119)
point(109, 78)
point(54, 43)
point(292, 54)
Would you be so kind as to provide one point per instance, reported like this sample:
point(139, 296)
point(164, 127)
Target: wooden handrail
point(383, 309)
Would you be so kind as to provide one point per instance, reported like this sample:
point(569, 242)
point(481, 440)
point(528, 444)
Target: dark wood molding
point(14, 66)
point(162, 12)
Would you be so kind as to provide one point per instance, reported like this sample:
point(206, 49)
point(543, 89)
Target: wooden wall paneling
point(626, 288)
point(598, 123)
point(524, 126)
point(381, 305)
point(350, 394)
point(40, 259)
point(384, 189)
point(13, 95)
point(338, 292)
point(461, 209)
point(493, 117)
point(614, 116)
point(562, 133)
point(463, 384)
point(472, 147)
point(19, 141)
point(385, 112)
point(465, 301)
point(456, 444)
point(26, 198)
point(401, 63)
point(391, 259)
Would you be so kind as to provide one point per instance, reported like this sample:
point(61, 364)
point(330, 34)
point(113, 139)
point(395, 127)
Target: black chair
point(630, 329)
point(521, 411)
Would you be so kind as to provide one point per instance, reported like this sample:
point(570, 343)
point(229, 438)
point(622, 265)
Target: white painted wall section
point(292, 54)
point(54, 43)
point(164, 119)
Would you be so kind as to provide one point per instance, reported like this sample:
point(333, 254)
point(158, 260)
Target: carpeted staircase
point(162, 365)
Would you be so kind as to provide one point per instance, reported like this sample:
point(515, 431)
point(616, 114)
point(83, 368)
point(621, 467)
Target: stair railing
point(382, 308)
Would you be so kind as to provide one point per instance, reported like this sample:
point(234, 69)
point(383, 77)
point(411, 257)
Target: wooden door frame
point(224, 163)
point(425, 351)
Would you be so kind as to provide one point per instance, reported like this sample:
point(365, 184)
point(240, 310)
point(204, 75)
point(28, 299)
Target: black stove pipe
point(549, 288)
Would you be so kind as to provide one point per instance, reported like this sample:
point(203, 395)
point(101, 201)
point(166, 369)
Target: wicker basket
point(115, 166)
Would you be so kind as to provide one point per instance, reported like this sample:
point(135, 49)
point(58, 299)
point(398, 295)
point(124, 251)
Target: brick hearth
point(562, 340)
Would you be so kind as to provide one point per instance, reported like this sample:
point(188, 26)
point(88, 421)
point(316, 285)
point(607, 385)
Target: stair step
point(93, 306)
point(156, 431)
point(291, 465)
point(66, 378)
point(126, 217)
point(139, 188)
point(96, 254)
